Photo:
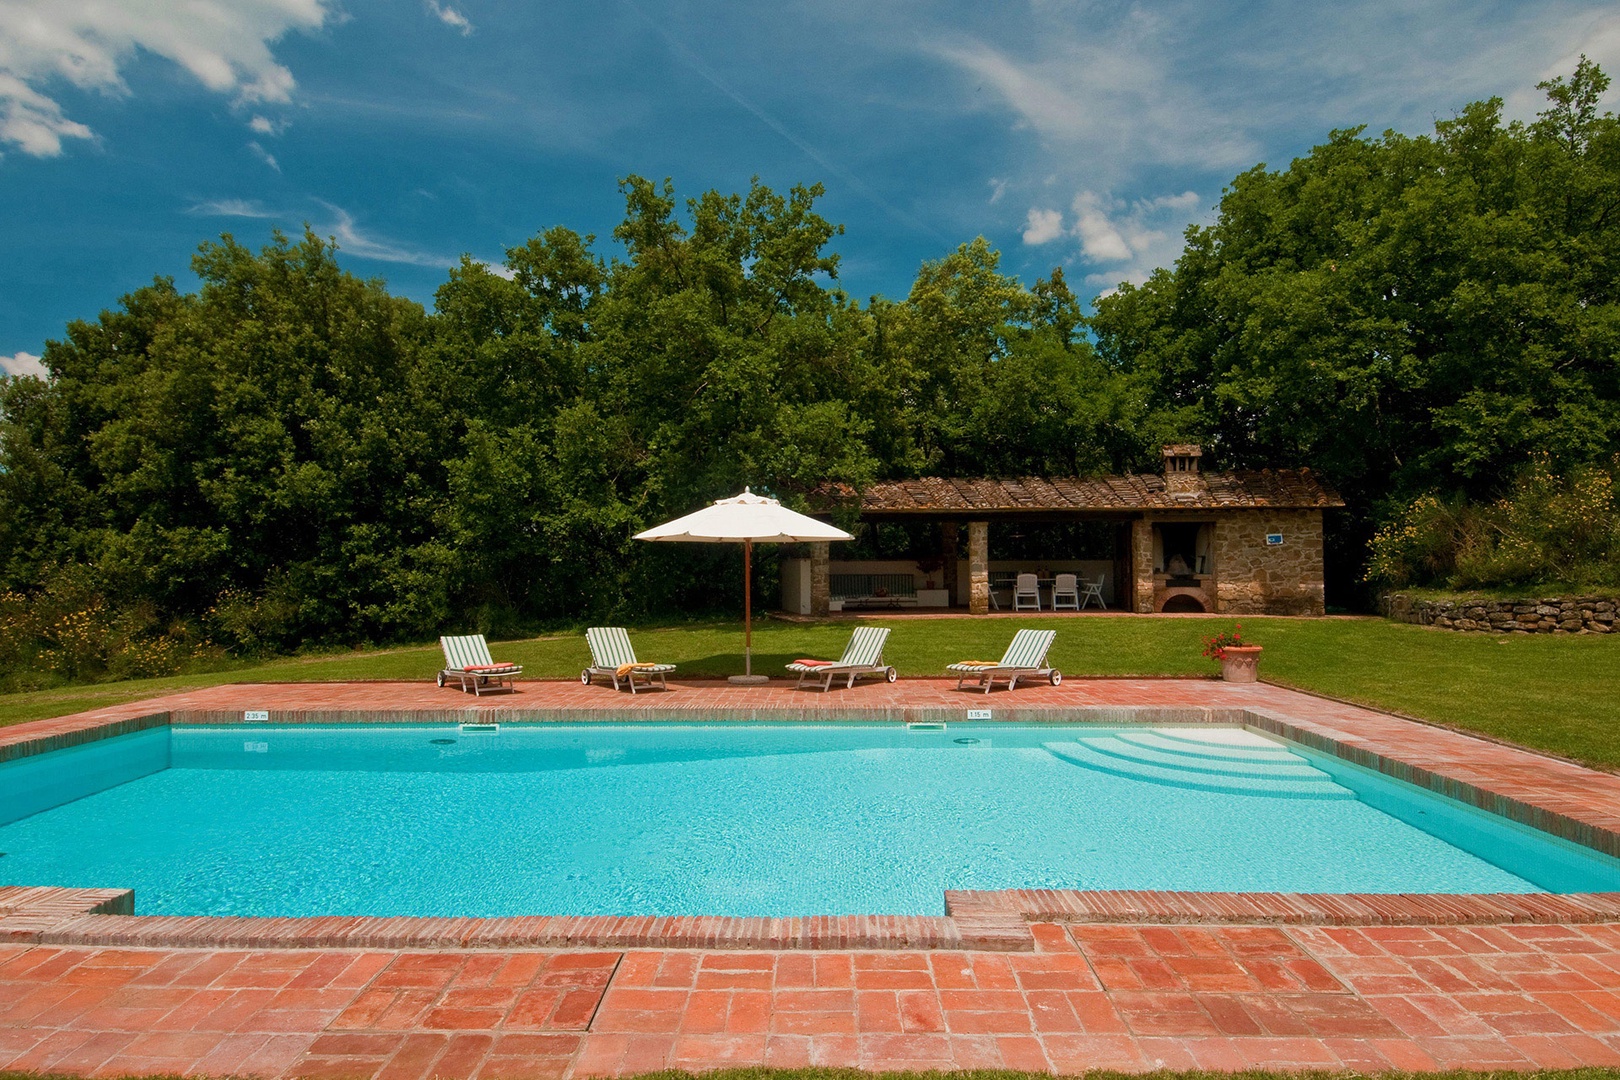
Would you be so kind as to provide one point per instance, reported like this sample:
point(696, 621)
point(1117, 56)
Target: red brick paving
point(1088, 994)
point(1114, 996)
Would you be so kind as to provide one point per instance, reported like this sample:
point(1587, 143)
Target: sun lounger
point(466, 660)
point(1025, 658)
point(863, 656)
point(612, 656)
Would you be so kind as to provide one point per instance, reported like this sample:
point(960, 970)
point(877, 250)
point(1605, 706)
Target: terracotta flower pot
point(1239, 663)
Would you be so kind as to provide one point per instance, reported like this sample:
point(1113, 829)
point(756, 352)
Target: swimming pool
point(733, 819)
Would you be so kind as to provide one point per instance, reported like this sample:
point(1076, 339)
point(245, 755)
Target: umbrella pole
point(748, 607)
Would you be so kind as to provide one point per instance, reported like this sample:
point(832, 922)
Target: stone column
point(978, 567)
point(820, 579)
point(947, 552)
point(1141, 592)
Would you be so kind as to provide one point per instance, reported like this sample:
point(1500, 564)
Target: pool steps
point(1276, 766)
point(1226, 743)
point(1282, 775)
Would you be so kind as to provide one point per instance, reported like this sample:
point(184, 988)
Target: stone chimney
point(1181, 477)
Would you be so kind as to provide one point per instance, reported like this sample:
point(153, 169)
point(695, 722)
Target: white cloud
point(500, 270)
point(247, 208)
point(1136, 98)
point(342, 228)
point(263, 125)
point(1100, 239)
point(1596, 39)
point(1043, 226)
point(1128, 241)
point(22, 364)
point(998, 188)
point(224, 44)
point(1108, 99)
point(350, 239)
point(450, 17)
point(264, 155)
point(33, 122)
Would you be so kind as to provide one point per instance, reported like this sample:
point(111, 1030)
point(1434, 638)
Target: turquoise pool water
point(732, 819)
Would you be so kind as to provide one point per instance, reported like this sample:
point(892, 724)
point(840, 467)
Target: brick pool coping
point(1578, 804)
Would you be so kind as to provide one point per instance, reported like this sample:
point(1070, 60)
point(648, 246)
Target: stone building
point(1183, 540)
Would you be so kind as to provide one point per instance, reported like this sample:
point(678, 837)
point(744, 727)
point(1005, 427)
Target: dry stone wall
point(1552, 615)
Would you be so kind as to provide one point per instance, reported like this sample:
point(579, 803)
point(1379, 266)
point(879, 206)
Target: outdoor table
point(1040, 583)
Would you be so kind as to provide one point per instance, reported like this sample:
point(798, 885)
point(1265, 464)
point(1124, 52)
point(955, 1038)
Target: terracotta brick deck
point(1127, 997)
point(1039, 980)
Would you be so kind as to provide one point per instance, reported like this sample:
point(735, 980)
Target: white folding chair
point(1065, 592)
point(1093, 591)
point(1027, 587)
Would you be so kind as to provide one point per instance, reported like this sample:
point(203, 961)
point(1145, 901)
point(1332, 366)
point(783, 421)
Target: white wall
point(796, 586)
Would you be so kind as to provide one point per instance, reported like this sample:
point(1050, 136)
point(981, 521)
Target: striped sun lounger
point(1025, 658)
point(863, 656)
point(466, 660)
point(613, 656)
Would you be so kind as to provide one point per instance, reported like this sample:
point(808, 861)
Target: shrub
point(1550, 529)
point(65, 631)
point(255, 625)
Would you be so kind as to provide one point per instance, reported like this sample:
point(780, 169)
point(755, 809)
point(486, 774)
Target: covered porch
point(963, 565)
point(1178, 541)
point(966, 567)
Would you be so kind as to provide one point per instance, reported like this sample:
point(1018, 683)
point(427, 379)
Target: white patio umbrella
point(746, 519)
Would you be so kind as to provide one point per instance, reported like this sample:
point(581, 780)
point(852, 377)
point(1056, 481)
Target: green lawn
point(1552, 693)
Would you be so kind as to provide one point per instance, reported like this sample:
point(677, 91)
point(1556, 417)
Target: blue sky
point(1086, 135)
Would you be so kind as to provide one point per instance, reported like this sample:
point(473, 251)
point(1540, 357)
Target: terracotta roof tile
point(1280, 488)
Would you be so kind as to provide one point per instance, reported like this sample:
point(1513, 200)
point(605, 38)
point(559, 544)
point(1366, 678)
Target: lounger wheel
point(891, 674)
point(441, 680)
point(1056, 676)
point(585, 676)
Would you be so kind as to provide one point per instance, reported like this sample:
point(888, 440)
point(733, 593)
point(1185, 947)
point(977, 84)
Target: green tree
point(1405, 315)
point(602, 397)
point(995, 378)
point(266, 443)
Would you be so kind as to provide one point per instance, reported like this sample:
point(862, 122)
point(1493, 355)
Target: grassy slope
point(1553, 693)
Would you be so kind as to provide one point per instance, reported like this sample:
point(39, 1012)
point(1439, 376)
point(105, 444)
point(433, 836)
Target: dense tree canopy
point(1405, 314)
point(291, 455)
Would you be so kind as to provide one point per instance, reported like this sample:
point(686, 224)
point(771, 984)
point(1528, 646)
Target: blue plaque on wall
point(1273, 539)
